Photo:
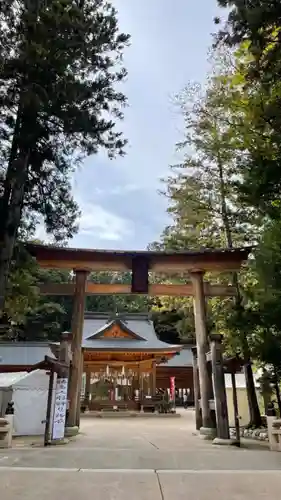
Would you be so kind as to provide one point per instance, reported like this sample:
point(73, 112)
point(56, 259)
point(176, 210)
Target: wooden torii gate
point(140, 263)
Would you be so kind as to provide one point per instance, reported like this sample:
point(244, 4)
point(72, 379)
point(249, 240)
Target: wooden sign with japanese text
point(60, 408)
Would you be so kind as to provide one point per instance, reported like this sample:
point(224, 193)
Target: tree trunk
point(11, 171)
point(16, 175)
point(12, 211)
point(266, 389)
point(277, 390)
point(254, 411)
point(14, 188)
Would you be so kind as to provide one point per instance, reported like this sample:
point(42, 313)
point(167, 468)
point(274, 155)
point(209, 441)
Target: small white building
point(243, 407)
point(29, 392)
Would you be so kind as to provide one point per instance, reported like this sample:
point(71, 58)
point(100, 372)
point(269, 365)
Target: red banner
point(172, 387)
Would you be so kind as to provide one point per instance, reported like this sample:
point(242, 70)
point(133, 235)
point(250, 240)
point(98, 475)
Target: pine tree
point(60, 68)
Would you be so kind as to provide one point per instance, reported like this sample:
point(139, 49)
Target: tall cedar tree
point(202, 196)
point(257, 26)
point(258, 23)
point(60, 67)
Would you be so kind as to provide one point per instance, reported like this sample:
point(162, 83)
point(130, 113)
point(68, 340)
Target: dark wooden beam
point(153, 290)
point(116, 260)
point(140, 269)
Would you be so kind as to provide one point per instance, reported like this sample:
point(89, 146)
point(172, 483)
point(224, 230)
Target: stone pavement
point(137, 459)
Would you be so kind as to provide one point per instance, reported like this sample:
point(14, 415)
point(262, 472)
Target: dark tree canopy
point(60, 74)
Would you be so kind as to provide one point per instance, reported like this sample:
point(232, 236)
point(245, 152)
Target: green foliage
point(202, 191)
point(22, 293)
point(205, 200)
point(57, 74)
point(27, 315)
point(118, 303)
point(172, 326)
point(60, 74)
point(265, 310)
point(255, 28)
point(34, 317)
point(257, 25)
point(44, 322)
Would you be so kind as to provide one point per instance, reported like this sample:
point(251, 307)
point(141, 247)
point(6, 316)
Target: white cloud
point(118, 190)
point(41, 234)
point(115, 190)
point(97, 222)
point(160, 61)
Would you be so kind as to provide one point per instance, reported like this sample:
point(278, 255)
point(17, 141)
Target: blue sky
point(121, 207)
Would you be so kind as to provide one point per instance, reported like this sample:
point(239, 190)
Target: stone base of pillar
point(71, 431)
point(224, 442)
point(59, 442)
point(208, 433)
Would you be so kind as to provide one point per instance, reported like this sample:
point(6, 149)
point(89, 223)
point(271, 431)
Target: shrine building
point(123, 360)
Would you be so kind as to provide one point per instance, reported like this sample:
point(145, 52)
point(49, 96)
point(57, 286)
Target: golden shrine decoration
point(116, 333)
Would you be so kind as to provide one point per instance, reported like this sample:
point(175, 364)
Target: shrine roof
point(23, 353)
point(140, 326)
point(184, 359)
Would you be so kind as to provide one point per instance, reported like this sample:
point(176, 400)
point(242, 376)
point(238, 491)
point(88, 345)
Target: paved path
point(139, 459)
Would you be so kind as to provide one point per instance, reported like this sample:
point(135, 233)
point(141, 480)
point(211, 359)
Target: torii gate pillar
point(199, 306)
point(76, 347)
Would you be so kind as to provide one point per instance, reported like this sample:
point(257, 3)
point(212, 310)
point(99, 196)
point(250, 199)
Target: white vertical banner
point(60, 408)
